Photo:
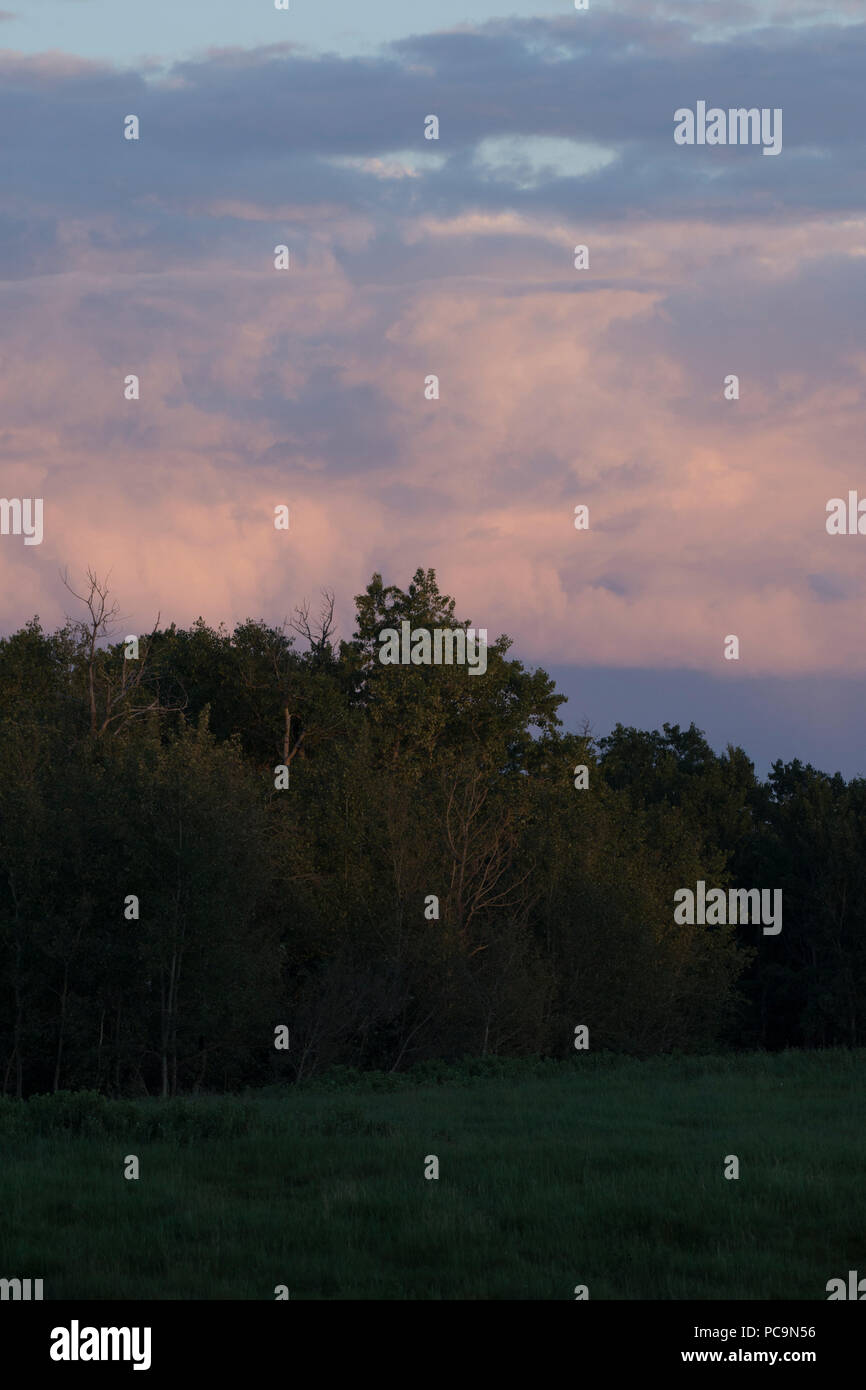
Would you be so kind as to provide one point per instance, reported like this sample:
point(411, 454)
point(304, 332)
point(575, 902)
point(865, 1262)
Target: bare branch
point(319, 638)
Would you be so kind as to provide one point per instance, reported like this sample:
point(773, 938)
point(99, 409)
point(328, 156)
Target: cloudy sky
point(455, 257)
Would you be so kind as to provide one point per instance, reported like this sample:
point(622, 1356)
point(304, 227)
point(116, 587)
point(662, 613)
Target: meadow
point(603, 1171)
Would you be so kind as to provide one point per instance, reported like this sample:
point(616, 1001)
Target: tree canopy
point(430, 879)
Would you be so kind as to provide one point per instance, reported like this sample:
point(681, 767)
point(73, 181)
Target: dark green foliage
point(306, 906)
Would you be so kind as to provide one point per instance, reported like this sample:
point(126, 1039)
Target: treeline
point(430, 883)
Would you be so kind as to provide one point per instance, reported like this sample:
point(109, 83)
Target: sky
point(558, 387)
point(128, 32)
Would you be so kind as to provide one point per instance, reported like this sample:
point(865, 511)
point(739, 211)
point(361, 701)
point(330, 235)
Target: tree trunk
point(61, 1030)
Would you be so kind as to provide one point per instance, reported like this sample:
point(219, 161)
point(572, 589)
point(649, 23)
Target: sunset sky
point(455, 257)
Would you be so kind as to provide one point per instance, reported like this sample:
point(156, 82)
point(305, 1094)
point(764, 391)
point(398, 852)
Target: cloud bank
point(455, 257)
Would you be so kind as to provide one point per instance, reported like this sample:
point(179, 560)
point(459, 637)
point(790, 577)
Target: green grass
point(600, 1171)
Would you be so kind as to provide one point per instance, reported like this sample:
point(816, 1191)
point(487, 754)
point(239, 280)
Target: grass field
point(600, 1171)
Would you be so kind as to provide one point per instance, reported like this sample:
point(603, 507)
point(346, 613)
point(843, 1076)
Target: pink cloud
point(707, 517)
